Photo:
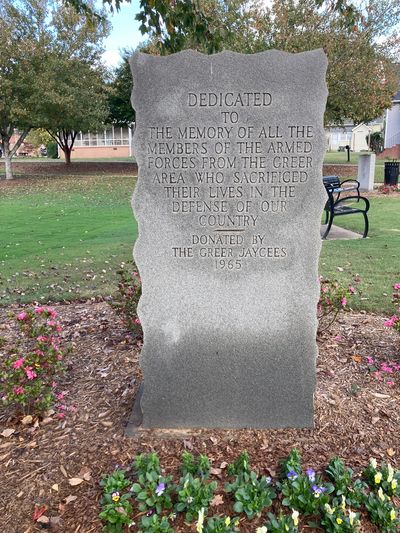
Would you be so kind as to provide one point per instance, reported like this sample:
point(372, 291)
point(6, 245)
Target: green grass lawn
point(64, 238)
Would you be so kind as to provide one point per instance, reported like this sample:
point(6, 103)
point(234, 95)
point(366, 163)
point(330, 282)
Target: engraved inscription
point(230, 179)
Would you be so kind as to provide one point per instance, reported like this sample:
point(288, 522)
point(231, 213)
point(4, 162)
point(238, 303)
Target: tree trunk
point(7, 158)
point(67, 153)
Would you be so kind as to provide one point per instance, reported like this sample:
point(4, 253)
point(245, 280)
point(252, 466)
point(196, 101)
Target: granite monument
point(228, 201)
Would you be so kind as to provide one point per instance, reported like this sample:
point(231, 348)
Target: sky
point(124, 33)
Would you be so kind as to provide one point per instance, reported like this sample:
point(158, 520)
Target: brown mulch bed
point(59, 168)
point(341, 170)
point(356, 417)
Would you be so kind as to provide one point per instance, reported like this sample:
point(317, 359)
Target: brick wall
point(92, 152)
point(392, 153)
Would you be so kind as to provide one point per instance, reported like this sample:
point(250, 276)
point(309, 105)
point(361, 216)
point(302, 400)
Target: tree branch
point(19, 142)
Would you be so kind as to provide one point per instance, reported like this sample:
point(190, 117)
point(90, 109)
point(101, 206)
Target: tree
point(121, 112)
point(40, 41)
point(21, 56)
point(76, 100)
point(359, 40)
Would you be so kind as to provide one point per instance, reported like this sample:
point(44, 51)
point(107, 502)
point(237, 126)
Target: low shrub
point(334, 298)
point(32, 365)
point(125, 301)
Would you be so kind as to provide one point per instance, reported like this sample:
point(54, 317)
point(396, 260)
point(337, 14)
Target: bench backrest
point(331, 182)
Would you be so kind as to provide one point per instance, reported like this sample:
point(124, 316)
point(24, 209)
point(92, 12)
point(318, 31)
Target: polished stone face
point(228, 200)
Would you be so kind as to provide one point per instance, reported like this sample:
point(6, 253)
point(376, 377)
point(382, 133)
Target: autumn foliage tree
point(50, 73)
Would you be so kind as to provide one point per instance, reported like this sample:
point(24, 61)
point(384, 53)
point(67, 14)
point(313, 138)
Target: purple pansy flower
point(317, 490)
point(160, 489)
point(310, 474)
point(292, 475)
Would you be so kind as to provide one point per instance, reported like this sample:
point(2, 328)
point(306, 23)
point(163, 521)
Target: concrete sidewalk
point(338, 233)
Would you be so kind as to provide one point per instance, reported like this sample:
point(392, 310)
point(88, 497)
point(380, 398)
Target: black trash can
point(392, 173)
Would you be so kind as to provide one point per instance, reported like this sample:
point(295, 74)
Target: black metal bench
point(336, 206)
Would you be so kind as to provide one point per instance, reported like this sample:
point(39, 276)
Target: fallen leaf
point(55, 487)
point(70, 498)
point(215, 471)
point(217, 500)
point(28, 419)
point(375, 419)
point(390, 452)
point(340, 269)
point(357, 358)
point(188, 444)
point(38, 512)
point(63, 471)
point(378, 395)
point(43, 520)
point(223, 465)
point(85, 473)
point(213, 440)
point(7, 432)
point(74, 481)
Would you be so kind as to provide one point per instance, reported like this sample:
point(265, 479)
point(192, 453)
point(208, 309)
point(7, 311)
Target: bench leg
point(328, 229)
point(366, 226)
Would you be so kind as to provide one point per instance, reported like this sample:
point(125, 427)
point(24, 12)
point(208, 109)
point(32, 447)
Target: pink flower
point(53, 313)
point(391, 322)
point(59, 357)
point(343, 301)
point(30, 374)
point(38, 352)
point(324, 289)
point(63, 407)
point(338, 338)
point(18, 363)
point(137, 321)
point(396, 286)
point(18, 390)
point(390, 382)
point(51, 323)
point(386, 368)
point(41, 338)
point(61, 415)
point(60, 396)
point(22, 315)
point(370, 360)
point(54, 384)
point(378, 375)
point(352, 290)
point(39, 310)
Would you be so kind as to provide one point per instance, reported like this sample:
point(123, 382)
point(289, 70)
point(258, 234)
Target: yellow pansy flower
point(200, 521)
point(394, 484)
point(339, 521)
point(236, 522)
point(378, 477)
point(343, 504)
point(373, 462)
point(295, 517)
point(227, 521)
point(392, 515)
point(390, 474)
point(115, 496)
point(381, 496)
point(328, 509)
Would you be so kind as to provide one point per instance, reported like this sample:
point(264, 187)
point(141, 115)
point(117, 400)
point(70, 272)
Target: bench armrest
point(358, 198)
